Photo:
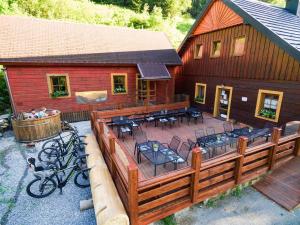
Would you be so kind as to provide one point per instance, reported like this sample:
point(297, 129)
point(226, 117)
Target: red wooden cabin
point(241, 60)
point(71, 66)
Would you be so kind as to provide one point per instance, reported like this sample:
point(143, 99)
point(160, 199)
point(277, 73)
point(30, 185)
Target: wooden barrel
point(37, 129)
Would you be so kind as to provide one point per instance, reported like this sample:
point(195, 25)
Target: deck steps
point(283, 185)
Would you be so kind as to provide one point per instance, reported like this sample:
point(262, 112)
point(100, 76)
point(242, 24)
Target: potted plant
point(120, 90)
point(57, 94)
point(199, 99)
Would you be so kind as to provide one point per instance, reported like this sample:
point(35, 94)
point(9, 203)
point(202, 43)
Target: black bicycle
point(48, 179)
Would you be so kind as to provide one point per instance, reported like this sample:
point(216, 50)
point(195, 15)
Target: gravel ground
point(17, 208)
point(251, 208)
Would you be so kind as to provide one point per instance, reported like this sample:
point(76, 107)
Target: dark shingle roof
point(31, 40)
point(278, 24)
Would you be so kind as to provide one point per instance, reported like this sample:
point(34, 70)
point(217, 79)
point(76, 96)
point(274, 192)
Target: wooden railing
point(137, 110)
point(150, 200)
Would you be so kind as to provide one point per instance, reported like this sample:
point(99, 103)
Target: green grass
point(170, 220)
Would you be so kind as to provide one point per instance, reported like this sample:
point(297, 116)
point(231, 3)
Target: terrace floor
point(182, 130)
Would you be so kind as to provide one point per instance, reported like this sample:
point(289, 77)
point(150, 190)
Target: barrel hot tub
point(37, 129)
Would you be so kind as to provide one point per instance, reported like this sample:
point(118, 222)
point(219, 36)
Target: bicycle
point(61, 149)
point(47, 180)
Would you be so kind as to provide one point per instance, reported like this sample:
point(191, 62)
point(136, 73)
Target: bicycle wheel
point(54, 143)
point(48, 155)
point(38, 189)
point(82, 179)
point(80, 161)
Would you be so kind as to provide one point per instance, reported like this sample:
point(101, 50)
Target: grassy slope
point(89, 12)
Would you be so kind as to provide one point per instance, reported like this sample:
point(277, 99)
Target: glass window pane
point(216, 49)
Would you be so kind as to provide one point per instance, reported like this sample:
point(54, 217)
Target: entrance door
point(146, 91)
point(223, 102)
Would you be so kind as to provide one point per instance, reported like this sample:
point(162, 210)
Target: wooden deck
point(182, 130)
point(283, 185)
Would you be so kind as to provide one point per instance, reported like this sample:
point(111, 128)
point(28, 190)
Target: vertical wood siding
point(263, 66)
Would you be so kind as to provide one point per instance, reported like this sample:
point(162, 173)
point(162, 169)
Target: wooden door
point(146, 91)
point(223, 102)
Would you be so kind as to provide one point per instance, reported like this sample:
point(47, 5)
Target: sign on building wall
point(87, 97)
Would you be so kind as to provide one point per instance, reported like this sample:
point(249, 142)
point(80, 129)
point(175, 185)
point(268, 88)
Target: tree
point(4, 96)
point(196, 8)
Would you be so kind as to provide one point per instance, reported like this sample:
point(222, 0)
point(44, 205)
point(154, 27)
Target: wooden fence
point(150, 200)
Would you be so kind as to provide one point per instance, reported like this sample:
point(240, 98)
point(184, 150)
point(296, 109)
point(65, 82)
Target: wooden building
point(241, 60)
point(71, 66)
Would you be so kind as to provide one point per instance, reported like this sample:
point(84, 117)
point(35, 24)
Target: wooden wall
point(30, 90)
point(263, 66)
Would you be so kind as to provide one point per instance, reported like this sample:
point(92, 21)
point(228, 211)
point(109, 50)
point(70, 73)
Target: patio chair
point(210, 131)
point(183, 154)
point(228, 127)
point(123, 130)
point(141, 141)
point(172, 120)
point(191, 144)
point(149, 119)
point(196, 115)
point(199, 133)
point(163, 122)
point(174, 144)
point(269, 126)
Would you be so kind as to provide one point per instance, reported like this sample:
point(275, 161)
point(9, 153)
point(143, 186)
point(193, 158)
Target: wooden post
point(99, 133)
point(275, 139)
point(241, 148)
point(92, 121)
point(112, 150)
point(297, 146)
point(196, 165)
point(133, 194)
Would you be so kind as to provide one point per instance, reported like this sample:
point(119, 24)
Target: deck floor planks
point(183, 130)
point(283, 185)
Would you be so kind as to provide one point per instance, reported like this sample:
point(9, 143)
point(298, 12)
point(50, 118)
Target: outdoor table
point(214, 141)
point(250, 133)
point(158, 154)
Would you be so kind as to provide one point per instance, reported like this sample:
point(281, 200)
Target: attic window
point(268, 105)
point(198, 51)
point(58, 85)
point(216, 49)
point(239, 46)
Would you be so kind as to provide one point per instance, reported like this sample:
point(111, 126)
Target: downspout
point(9, 90)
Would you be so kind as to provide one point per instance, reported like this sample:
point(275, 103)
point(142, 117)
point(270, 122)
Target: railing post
point(275, 140)
point(196, 165)
point(297, 146)
point(241, 148)
point(133, 194)
point(112, 149)
point(92, 121)
point(100, 128)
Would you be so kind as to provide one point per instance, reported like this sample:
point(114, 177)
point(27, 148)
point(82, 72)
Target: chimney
point(293, 6)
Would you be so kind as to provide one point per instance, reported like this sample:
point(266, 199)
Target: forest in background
point(174, 17)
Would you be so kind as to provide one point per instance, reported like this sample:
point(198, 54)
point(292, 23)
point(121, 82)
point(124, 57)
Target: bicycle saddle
point(31, 163)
